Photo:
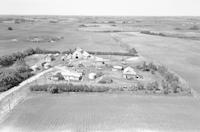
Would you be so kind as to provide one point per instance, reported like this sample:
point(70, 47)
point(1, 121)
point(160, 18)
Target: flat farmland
point(103, 112)
point(72, 38)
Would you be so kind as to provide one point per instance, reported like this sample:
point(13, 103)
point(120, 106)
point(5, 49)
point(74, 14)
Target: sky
point(101, 7)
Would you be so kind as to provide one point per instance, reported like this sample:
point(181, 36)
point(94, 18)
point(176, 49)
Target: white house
point(129, 73)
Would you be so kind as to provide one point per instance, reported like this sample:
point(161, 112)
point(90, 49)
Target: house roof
point(66, 72)
point(129, 71)
point(80, 53)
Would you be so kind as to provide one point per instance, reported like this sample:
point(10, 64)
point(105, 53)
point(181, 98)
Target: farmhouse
point(129, 73)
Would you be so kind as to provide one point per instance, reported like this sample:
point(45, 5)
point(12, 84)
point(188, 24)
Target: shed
point(92, 76)
point(118, 67)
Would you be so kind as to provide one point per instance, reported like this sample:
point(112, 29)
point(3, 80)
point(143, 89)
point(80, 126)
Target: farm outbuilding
point(35, 67)
point(49, 58)
point(117, 67)
point(56, 55)
point(70, 74)
point(80, 54)
point(47, 65)
point(92, 76)
point(63, 58)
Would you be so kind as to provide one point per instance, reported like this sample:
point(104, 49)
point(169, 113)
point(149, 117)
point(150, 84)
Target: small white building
point(92, 76)
point(49, 58)
point(56, 55)
point(118, 67)
point(35, 67)
point(47, 65)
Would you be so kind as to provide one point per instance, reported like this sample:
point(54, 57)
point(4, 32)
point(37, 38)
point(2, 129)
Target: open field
point(103, 112)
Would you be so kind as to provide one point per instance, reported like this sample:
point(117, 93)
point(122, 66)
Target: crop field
point(103, 112)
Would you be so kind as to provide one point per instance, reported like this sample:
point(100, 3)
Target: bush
point(153, 33)
point(162, 70)
point(148, 67)
point(39, 87)
point(60, 76)
point(53, 89)
point(99, 74)
point(194, 27)
point(105, 80)
point(133, 51)
point(153, 86)
point(10, 28)
point(177, 28)
point(165, 86)
point(140, 86)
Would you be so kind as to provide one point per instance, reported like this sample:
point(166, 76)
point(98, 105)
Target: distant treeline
point(111, 53)
point(153, 33)
point(131, 52)
point(8, 60)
